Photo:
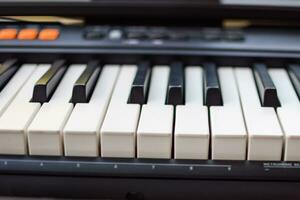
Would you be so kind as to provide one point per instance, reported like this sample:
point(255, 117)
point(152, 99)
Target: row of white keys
point(229, 136)
point(81, 133)
point(154, 134)
point(118, 131)
point(265, 137)
point(17, 117)
point(288, 113)
point(45, 131)
point(191, 122)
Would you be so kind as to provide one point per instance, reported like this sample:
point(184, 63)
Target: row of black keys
point(83, 88)
point(212, 89)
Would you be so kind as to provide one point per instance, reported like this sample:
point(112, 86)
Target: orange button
point(49, 34)
point(28, 34)
point(8, 34)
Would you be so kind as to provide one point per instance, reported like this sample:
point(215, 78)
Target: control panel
point(140, 41)
point(162, 33)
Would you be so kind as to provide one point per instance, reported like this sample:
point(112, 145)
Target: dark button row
point(161, 33)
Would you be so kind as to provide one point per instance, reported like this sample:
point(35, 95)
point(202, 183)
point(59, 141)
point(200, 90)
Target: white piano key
point(81, 133)
point(25, 94)
point(228, 130)
point(158, 85)
point(154, 134)
point(191, 123)
point(288, 113)
point(265, 137)
point(194, 85)
point(14, 85)
point(285, 90)
point(18, 116)
point(123, 85)
point(45, 131)
point(118, 130)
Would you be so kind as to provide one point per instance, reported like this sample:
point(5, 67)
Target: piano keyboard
point(143, 111)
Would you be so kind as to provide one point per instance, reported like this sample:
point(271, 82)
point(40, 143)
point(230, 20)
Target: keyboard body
point(119, 178)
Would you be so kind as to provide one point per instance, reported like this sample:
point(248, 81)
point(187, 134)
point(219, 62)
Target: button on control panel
point(28, 34)
point(95, 32)
point(8, 34)
point(49, 34)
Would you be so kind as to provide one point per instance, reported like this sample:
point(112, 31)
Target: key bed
point(114, 121)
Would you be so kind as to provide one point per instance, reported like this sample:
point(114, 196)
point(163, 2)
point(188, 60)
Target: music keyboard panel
point(125, 107)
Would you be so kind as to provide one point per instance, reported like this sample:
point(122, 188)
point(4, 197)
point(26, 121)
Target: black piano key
point(294, 72)
point(266, 88)
point(46, 85)
point(212, 88)
point(175, 92)
point(86, 82)
point(7, 70)
point(138, 92)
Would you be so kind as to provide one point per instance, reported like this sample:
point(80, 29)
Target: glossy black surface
point(46, 85)
point(265, 86)
point(84, 85)
point(212, 88)
point(139, 87)
point(175, 91)
point(7, 70)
